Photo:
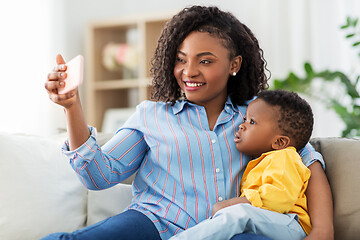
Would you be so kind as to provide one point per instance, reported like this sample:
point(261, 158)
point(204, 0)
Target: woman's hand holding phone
point(63, 82)
point(62, 86)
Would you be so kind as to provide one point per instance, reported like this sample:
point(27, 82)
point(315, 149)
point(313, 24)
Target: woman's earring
point(183, 96)
point(234, 74)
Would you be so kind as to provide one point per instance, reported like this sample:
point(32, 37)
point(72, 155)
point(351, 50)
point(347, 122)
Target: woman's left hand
point(223, 204)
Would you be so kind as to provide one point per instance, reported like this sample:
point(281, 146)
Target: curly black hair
point(237, 37)
point(296, 118)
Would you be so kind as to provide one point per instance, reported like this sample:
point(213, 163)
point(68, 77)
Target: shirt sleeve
point(100, 168)
point(309, 156)
point(282, 182)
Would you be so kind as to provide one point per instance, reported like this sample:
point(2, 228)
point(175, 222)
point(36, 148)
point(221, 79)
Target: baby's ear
point(281, 142)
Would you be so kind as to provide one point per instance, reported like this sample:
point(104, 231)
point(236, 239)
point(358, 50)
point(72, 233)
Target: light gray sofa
point(41, 194)
point(342, 158)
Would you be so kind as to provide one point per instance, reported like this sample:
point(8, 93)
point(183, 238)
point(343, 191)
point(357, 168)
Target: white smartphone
point(75, 72)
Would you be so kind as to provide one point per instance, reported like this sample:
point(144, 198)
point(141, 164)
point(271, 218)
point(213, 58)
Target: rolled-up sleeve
point(309, 156)
point(102, 167)
point(84, 153)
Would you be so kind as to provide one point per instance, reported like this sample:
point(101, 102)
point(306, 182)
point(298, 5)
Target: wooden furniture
point(115, 89)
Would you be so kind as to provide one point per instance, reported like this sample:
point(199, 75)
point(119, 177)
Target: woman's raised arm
point(75, 118)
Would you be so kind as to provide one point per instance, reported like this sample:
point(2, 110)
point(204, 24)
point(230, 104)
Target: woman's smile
point(192, 86)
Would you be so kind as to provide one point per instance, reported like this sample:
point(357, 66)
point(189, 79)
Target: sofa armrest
point(342, 159)
point(40, 193)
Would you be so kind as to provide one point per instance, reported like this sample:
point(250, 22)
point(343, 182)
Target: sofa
point(41, 194)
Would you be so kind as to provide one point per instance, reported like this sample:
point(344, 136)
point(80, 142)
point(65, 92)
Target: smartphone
point(75, 72)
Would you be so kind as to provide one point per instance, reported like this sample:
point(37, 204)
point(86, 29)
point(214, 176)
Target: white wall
point(24, 62)
point(290, 32)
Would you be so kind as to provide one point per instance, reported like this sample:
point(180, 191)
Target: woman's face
point(202, 69)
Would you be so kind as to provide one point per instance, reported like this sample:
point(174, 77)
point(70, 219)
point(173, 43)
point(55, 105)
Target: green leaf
point(327, 75)
point(350, 35)
point(356, 44)
point(354, 23)
point(350, 88)
point(278, 84)
point(308, 68)
point(348, 21)
point(344, 26)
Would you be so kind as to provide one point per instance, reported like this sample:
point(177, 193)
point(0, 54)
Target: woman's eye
point(179, 60)
point(205, 61)
point(244, 119)
point(252, 121)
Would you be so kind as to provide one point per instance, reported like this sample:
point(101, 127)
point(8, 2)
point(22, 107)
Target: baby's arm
point(282, 181)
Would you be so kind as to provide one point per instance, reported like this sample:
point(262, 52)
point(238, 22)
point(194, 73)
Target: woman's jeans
point(129, 225)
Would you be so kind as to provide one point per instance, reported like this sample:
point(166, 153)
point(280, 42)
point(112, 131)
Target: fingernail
point(62, 83)
point(62, 67)
point(62, 74)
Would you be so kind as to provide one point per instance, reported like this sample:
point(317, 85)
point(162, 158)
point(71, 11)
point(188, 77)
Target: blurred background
point(291, 33)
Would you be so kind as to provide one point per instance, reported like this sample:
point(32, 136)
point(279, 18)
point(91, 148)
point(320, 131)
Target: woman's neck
point(213, 112)
point(213, 108)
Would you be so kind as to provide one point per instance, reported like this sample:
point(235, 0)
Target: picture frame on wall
point(114, 118)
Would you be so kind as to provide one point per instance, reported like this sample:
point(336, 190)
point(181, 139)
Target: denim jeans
point(245, 218)
point(129, 225)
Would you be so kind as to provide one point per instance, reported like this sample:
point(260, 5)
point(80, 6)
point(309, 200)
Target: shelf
point(121, 84)
point(109, 89)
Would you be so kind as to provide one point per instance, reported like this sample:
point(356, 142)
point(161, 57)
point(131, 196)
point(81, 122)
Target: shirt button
point(213, 141)
point(217, 170)
point(220, 198)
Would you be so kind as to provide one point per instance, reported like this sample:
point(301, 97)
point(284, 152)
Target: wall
point(289, 31)
point(24, 62)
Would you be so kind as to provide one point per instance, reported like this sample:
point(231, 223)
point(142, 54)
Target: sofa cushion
point(342, 158)
point(109, 202)
point(40, 192)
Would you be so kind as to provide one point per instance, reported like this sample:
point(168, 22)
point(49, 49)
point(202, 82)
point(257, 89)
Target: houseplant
point(345, 101)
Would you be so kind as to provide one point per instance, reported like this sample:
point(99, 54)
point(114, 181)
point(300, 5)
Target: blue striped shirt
point(183, 167)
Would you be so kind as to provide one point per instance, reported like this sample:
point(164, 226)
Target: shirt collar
point(269, 152)
point(229, 107)
point(180, 104)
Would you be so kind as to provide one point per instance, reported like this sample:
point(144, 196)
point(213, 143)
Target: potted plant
point(346, 100)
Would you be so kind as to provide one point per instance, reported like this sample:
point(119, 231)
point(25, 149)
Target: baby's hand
point(55, 81)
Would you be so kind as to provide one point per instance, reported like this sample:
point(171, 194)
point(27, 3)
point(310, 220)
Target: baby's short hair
point(296, 118)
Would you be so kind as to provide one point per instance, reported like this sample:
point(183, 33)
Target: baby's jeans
point(245, 218)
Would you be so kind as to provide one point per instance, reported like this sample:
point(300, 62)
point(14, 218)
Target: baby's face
point(259, 129)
